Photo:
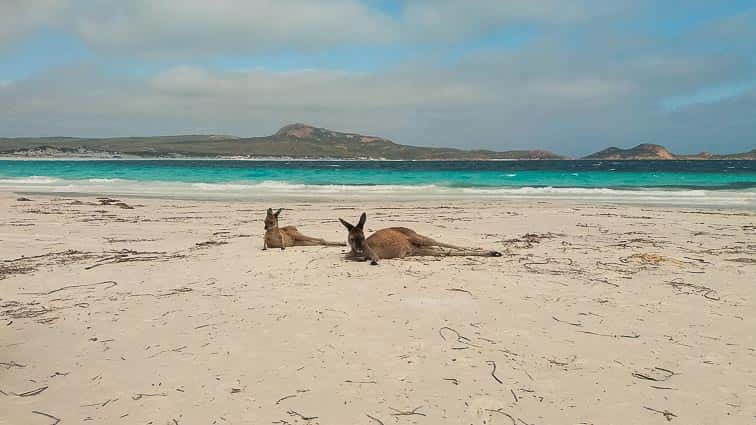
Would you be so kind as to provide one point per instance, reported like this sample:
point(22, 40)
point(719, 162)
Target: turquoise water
point(700, 180)
point(587, 174)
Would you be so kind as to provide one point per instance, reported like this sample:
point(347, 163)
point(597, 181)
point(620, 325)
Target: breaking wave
point(267, 190)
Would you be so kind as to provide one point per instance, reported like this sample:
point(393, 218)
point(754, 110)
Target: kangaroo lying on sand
point(400, 242)
point(281, 237)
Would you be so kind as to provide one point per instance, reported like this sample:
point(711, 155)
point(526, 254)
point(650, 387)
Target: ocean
point(694, 183)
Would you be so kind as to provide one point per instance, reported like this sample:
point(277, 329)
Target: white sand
point(226, 333)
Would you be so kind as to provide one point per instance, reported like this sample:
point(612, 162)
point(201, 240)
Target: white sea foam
point(106, 180)
point(283, 190)
point(31, 180)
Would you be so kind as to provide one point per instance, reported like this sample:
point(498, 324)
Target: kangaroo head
point(356, 237)
point(271, 219)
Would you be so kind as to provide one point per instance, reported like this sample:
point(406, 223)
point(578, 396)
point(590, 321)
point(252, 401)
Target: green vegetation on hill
point(303, 142)
point(292, 141)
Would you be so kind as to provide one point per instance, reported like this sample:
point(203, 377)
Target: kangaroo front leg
point(372, 256)
point(353, 256)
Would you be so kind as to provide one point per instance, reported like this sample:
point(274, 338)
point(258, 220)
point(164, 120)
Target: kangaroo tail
point(329, 243)
point(456, 252)
point(471, 252)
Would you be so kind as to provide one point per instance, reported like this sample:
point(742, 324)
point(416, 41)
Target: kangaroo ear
point(347, 225)
point(363, 218)
point(278, 212)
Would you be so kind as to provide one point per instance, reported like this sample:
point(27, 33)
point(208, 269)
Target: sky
point(570, 76)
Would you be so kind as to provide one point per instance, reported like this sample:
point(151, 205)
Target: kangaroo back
point(400, 242)
point(394, 242)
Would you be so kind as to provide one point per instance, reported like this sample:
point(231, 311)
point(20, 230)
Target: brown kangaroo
point(400, 242)
point(281, 237)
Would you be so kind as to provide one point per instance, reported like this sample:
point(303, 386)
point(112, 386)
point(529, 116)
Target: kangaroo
point(281, 237)
point(400, 242)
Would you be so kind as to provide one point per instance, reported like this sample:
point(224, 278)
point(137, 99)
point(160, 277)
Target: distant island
point(299, 141)
point(647, 151)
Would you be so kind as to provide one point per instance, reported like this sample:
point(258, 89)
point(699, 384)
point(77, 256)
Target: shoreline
point(279, 191)
point(643, 199)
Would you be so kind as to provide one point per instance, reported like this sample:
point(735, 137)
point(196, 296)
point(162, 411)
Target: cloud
point(456, 19)
point(221, 26)
point(576, 87)
point(184, 28)
point(19, 17)
point(317, 89)
point(736, 31)
point(571, 103)
point(723, 125)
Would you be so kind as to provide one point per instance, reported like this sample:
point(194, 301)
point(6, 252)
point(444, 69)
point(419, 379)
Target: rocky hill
point(751, 155)
point(642, 151)
point(300, 141)
point(292, 141)
point(648, 151)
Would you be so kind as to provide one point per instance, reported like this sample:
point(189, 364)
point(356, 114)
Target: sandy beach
point(149, 311)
